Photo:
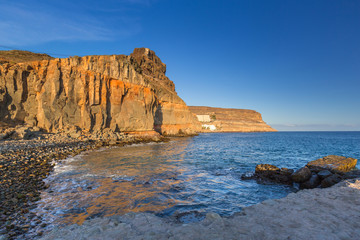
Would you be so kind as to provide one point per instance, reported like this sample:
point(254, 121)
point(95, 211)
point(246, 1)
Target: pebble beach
point(23, 166)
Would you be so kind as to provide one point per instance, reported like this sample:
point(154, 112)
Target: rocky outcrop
point(336, 164)
point(268, 172)
point(323, 172)
point(93, 93)
point(230, 120)
point(301, 175)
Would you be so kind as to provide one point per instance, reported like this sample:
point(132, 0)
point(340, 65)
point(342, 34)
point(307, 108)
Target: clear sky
point(297, 62)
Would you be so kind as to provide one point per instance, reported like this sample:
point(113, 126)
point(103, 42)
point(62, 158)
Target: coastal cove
point(179, 120)
point(181, 180)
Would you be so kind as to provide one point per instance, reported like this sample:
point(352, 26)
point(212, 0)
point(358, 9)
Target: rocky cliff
point(93, 93)
point(231, 120)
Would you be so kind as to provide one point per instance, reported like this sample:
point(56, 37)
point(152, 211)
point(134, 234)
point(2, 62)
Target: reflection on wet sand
point(115, 181)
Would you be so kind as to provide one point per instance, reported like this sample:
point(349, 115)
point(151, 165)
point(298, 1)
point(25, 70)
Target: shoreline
point(328, 213)
point(62, 146)
point(24, 164)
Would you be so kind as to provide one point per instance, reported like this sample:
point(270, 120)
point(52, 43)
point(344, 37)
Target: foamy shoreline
point(330, 213)
point(24, 164)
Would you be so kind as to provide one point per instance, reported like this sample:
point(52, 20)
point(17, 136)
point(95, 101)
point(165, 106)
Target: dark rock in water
point(248, 176)
point(333, 163)
point(286, 171)
point(313, 182)
point(284, 176)
point(324, 174)
point(301, 175)
point(352, 174)
point(331, 180)
point(268, 172)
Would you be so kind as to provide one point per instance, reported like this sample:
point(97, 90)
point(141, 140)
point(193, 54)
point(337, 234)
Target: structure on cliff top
point(230, 120)
point(92, 93)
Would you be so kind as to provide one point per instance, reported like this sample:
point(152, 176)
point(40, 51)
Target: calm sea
point(200, 174)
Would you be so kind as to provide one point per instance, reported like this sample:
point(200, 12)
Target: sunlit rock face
point(230, 120)
point(93, 93)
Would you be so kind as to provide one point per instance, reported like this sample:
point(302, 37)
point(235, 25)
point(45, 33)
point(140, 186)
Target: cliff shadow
point(5, 101)
point(158, 119)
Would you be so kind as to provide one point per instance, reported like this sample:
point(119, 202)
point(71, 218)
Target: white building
point(209, 127)
point(203, 118)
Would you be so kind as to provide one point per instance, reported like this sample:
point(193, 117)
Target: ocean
point(186, 175)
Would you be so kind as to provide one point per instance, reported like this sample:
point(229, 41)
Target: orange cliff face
point(93, 93)
point(230, 120)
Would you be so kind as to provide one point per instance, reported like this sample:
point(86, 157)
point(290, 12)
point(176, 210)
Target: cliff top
point(18, 56)
point(206, 110)
point(232, 119)
point(141, 55)
point(227, 113)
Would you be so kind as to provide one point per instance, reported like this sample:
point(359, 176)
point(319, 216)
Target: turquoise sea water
point(199, 174)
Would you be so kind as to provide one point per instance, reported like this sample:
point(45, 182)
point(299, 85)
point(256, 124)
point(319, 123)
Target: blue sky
point(295, 62)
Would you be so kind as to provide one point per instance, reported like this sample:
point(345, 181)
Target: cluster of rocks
point(323, 172)
point(27, 156)
point(23, 166)
point(28, 132)
point(20, 132)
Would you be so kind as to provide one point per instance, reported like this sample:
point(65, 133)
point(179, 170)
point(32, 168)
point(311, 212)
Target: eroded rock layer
point(230, 120)
point(93, 93)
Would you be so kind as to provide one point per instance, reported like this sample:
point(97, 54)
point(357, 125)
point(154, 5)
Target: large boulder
point(313, 182)
point(331, 180)
point(324, 174)
point(352, 174)
point(268, 172)
point(301, 175)
point(333, 163)
point(266, 169)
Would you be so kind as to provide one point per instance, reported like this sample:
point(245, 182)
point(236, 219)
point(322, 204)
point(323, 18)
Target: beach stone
point(324, 174)
point(301, 175)
point(333, 163)
point(313, 182)
point(331, 180)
